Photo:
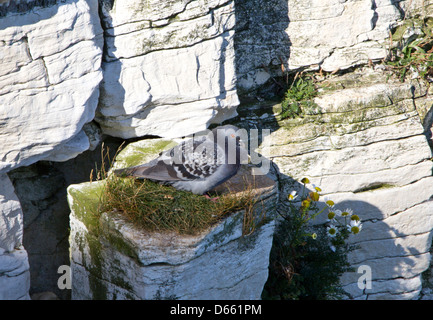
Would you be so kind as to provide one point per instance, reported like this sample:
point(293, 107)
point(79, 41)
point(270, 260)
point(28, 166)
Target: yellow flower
point(314, 236)
point(331, 231)
point(314, 196)
point(355, 226)
point(306, 203)
point(347, 212)
point(329, 202)
point(331, 215)
point(305, 180)
point(354, 217)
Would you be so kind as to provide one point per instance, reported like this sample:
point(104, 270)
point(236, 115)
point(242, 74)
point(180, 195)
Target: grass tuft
point(156, 207)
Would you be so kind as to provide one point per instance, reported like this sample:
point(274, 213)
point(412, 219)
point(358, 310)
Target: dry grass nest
point(157, 207)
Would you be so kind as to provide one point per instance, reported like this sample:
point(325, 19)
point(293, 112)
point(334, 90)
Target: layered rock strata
point(365, 145)
point(169, 69)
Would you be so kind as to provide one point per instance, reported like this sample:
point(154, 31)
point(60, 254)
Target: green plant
point(416, 56)
point(298, 98)
point(307, 261)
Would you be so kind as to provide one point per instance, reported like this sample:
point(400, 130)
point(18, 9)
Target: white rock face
point(49, 80)
point(218, 265)
point(170, 67)
point(365, 146)
point(49, 77)
point(11, 216)
point(169, 70)
point(328, 34)
point(330, 37)
point(14, 266)
point(14, 275)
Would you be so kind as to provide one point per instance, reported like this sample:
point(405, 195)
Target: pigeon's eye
point(233, 135)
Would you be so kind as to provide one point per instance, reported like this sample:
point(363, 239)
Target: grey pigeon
point(198, 164)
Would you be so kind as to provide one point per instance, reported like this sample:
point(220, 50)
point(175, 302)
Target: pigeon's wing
point(200, 159)
point(205, 169)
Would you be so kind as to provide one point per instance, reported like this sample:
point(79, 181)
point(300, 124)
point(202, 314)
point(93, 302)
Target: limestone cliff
point(74, 72)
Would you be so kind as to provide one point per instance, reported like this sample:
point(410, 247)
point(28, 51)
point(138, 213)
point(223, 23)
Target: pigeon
point(197, 165)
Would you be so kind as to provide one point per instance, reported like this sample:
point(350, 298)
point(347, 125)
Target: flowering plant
point(340, 223)
point(310, 259)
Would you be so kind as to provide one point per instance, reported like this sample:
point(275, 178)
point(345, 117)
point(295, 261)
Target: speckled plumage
point(197, 165)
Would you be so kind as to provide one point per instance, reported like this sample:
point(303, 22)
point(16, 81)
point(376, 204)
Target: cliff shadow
point(262, 48)
point(393, 250)
point(41, 190)
point(387, 258)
